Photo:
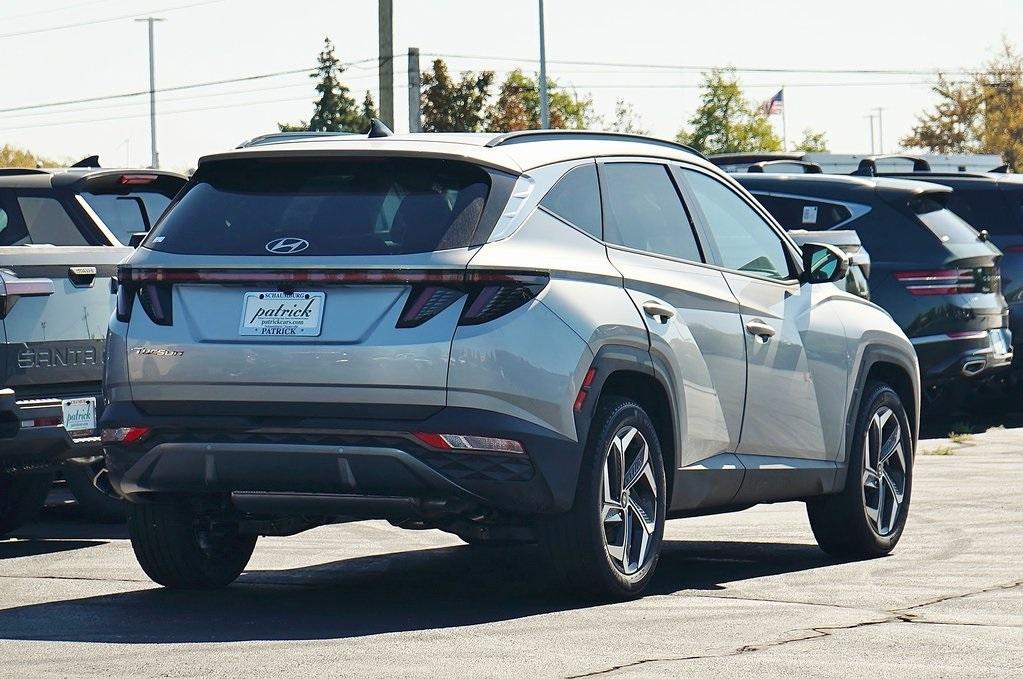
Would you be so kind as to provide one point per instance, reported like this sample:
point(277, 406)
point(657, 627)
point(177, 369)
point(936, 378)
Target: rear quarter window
point(804, 213)
point(353, 206)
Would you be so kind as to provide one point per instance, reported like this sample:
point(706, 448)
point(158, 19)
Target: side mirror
point(136, 238)
point(823, 263)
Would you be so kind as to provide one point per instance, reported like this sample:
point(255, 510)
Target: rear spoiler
point(808, 167)
point(868, 166)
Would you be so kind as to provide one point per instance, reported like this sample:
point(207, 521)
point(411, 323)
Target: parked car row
point(939, 277)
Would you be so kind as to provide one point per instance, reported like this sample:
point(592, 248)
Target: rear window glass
point(44, 222)
point(354, 206)
point(122, 213)
point(988, 210)
point(942, 222)
point(804, 213)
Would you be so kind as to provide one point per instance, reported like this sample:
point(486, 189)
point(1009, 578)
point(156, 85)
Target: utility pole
point(880, 130)
point(545, 107)
point(386, 56)
point(155, 163)
point(415, 89)
point(871, 119)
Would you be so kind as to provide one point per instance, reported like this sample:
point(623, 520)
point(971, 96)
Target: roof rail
point(539, 135)
point(281, 137)
point(868, 166)
point(808, 167)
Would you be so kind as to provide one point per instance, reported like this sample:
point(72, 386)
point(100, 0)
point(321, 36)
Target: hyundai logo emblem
point(287, 246)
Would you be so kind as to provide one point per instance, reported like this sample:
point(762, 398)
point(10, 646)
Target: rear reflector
point(584, 390)
point(124, 434)
point(465, 442)
point(42, 422)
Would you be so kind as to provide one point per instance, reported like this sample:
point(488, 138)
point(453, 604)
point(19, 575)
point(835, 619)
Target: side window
point(47, 223)
point(804, 213)
point(576, 199)
point(643, 211)
point(744, 240)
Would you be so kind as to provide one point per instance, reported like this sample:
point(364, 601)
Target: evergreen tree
point(335, 109)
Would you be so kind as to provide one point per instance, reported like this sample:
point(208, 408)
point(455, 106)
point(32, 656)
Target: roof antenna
point(378, 129)
point(90, 161)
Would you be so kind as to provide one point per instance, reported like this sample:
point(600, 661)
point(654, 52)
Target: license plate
point(79, 414)
point(277, 314)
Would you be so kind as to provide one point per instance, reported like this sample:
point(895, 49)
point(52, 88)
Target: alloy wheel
point(628, 509)
point(884, 471)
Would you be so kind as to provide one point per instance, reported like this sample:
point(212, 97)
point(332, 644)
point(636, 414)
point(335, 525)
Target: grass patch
point(940, 450)
point(959, 437)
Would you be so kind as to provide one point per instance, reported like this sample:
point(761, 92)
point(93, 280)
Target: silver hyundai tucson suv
point(549, 336)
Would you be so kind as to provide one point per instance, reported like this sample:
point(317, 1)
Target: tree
point(12, 156)
point(725, 121)
point(455, 106)
point(335, 110)
point(518, 106)
point(625, 120)
point(813, 142)
point(981, 114)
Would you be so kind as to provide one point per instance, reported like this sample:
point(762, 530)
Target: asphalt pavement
point(744, 594)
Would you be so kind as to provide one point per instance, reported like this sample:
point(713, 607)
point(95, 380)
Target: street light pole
point(545, 111)
point(871, 119)
point(385, 55)
point(152, 92)
point(880, 130)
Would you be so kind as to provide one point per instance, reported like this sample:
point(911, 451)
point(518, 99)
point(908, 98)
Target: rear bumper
point(971, 355)
point(372, 464)
point(26, 445)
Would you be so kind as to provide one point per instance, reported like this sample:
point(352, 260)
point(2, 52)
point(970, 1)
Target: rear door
point(692, 318)
point(796, 349)
point(273, 285)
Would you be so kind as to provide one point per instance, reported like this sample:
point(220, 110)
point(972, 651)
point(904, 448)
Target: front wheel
point(867, 518)
point(610, 541)
point(182, 550)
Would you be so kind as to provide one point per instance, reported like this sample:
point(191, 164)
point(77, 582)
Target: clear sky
point(223, 39)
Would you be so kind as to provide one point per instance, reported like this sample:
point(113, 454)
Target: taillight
point(467, 442)
point(494, 294)
point(425, 302)
point(938, 282)
point(124, 435)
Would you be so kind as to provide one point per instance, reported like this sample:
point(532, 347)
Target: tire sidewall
point(878, 396)
point(615, 414)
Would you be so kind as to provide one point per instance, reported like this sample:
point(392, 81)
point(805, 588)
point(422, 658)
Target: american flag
point(775, 104)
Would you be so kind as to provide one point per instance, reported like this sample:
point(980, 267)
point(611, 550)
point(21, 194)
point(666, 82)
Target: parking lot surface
point(746, 594)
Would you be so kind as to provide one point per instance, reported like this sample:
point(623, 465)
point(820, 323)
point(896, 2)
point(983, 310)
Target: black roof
point(977, 181)
point(835, 187)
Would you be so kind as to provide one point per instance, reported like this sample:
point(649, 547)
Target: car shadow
point(13, 548)
point(425, 589)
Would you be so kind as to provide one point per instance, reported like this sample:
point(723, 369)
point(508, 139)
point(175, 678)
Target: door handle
point(658, 311)
point(762, 331)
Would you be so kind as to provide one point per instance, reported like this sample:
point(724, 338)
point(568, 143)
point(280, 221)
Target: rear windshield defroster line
point(324, 207)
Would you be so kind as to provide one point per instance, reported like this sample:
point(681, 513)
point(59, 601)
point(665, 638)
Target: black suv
point(62, 233)
point(993, 202)
point(936, 276)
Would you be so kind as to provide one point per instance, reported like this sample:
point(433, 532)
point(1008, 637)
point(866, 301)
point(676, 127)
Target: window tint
point(987, 210)
point(4, 221)
point(744, 240)
point(642, 210)
point(46, 223)
point(942, 222)
point(576, 199)
point(355, 206)
point(804, 213)
point(122, 213)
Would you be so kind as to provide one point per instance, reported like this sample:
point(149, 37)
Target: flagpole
point(784, 126)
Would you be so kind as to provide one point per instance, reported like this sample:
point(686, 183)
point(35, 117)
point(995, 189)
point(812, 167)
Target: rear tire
point(608, 544)
point(21, 498)
point(93, 503)
point(866, 519)
point(177, 549)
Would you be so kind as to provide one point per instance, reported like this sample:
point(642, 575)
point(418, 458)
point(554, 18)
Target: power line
point(175, 88)
point(51, 10)
point(93, 22)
